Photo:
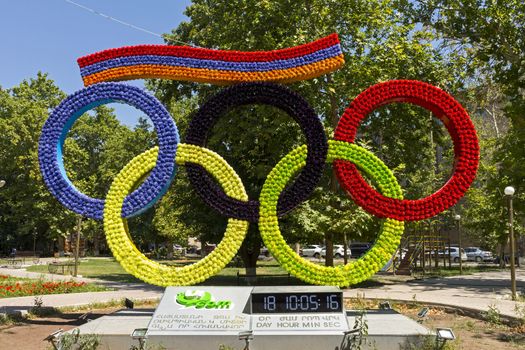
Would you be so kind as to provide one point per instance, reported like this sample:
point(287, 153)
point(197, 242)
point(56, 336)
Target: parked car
point(359, 249)
point(193, 249)
point(454, 254)
point(478, 255)
point(339, 251)
point(312, 250)
point(178, 249)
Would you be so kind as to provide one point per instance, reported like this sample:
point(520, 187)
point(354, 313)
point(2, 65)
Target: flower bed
point(20, 287)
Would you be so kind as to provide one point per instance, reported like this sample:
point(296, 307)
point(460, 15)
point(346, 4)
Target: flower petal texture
point(63, 117)
point(146, 178)
point(136, 263)
point(213, 66)
point(455, 119)
point(354, 272)
point(266, 94)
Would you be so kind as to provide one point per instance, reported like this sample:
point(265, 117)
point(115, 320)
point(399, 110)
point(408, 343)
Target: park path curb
point(505, 308)
point(21, 305)
point(473, 295)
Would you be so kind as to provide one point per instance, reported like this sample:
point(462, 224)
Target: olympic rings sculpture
point(253, 75)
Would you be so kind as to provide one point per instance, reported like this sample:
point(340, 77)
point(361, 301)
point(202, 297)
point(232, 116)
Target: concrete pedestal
point(202, 318)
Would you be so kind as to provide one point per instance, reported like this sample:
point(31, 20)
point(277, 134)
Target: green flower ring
point(137, 264)
point(385, 245)
point(117, 232)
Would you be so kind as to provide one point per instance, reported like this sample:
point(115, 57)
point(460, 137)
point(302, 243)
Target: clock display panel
point(267, 303)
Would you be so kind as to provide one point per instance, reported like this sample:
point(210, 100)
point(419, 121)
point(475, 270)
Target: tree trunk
point(345, 247)
point(329, 243)
point(77, 244)
point(60, 246)
point(96, 244)
point(249, 252)
point(502, 254)
point(203, 245)
point(334, 118)
point(249, 259)
point(169, 247)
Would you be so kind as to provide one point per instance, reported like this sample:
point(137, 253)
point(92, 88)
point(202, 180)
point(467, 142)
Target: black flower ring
point(267, 94)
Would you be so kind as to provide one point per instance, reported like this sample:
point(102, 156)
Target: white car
point(312, 250)
point(339, 251)
point(454, 254)
point(178, 249)
point(478, 255)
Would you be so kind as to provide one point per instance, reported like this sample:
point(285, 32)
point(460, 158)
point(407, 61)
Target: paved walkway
point(473, 293)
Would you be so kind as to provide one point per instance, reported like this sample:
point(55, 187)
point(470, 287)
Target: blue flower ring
point(61, 120)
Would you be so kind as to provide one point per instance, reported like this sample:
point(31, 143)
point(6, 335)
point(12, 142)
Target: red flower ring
point(458, 124)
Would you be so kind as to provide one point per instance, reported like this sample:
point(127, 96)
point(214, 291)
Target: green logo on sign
point(201, 300)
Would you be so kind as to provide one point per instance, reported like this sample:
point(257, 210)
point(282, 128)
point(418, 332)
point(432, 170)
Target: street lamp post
point(509, 192)
point(458, 219)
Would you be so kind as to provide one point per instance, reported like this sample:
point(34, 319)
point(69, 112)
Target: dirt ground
point(471, 333)
point(29, 334)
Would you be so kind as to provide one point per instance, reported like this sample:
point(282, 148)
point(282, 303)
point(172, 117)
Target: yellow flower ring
point(385, 245)
point(119, 239)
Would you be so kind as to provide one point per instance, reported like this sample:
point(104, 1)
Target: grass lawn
point(228, 276)
point(454, 270)
point(109, 269)
point(102, 268)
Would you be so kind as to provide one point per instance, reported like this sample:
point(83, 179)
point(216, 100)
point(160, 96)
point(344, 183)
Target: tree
point(489, 35)
point(378, 46)
point(96, 148)
point(26, 206)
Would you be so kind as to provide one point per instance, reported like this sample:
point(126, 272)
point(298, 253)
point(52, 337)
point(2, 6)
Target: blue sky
point(49, 36)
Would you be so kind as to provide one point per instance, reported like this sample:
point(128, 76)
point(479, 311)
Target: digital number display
point(265, 303)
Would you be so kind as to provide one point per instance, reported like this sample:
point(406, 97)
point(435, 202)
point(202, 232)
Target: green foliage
point(378, 45)
point(75, 340)
point(493, 315)
point(225, 347)
point(472, 49)
point(148, 347)
point(359, 341)
point(96, 149)
point(428, 343)
point(16, 287)
point(25, 203)
point(101, 268)
point(488, 36)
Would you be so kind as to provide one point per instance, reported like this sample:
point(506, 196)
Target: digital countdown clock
point(290, 302)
